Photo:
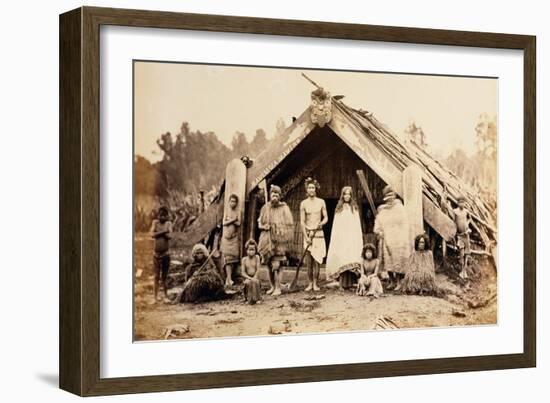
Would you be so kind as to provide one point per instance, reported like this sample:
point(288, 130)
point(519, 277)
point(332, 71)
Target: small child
point(369, 274)
point(462, 220)
point(250, 265)
point(161, 230)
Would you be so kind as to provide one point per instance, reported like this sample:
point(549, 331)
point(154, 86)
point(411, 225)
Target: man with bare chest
point(313, 216)
point(462, 221)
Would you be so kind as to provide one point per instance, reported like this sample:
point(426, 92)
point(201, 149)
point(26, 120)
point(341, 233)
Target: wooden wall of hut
point(328, 159)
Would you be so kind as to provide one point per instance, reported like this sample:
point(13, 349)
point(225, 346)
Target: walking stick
point(295, 281)
point(188, 281)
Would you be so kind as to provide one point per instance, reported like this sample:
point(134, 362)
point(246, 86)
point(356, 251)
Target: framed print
point(250, 201)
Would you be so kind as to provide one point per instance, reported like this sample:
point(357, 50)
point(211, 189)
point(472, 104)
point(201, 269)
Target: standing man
point(277, 226)
point(313, 216)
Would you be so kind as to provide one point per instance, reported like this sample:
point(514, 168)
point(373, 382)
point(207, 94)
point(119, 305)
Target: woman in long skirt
point(346, 241)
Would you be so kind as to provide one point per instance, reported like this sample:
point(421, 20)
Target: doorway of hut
point(324, 156)
point(327, 229)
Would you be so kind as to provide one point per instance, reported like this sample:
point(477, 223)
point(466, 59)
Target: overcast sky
point(226, 99)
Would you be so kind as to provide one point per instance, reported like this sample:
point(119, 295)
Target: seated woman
point(420, 277)
point(250, 265)
point(203, 281)
point(369, 283)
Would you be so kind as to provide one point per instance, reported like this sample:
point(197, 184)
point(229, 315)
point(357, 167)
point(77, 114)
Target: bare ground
point(330, 310)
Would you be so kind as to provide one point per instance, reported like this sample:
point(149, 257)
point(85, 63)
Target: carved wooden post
point(252, 212)
point(412, 199)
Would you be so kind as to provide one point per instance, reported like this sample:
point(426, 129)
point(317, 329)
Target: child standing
point(462, 220)
point(250, 265)
point(161, 230)
point(369, 283)
point(230, 245)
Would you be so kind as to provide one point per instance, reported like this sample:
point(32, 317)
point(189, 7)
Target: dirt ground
point(330, 310)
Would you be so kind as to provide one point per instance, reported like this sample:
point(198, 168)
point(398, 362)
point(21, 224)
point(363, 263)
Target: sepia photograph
point(275, 201)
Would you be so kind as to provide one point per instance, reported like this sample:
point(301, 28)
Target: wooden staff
point(311, 81)
point(295, 281)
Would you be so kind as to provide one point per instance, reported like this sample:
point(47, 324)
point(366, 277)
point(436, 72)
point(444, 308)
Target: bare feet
point(270, 291)
point(316, 287)
point(309, 287)
point(276, 292)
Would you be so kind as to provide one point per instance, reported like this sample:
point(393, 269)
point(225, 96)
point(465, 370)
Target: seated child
point(250, 265)
point(161, 230)
point(369, 283)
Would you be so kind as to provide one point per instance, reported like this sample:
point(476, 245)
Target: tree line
point(194, 161)
point(477, 170)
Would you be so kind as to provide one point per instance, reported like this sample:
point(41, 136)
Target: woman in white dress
point(346, 241)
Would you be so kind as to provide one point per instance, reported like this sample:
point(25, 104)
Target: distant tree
point(486, 142)
point(486, 136)
point(239, 145)
point(258, 143)
point(479, 169)
point(191, 162)
point(280, 127)
point(461, 165)
point(145, 176)
point(165, 143)
point(414, 133)
point(281, 136)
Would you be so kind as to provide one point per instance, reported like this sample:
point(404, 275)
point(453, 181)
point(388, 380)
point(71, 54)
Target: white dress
point(346, 243)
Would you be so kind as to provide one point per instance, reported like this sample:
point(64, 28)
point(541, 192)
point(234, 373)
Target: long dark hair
point(372, 248)
point(352, 203)
point(426, 239)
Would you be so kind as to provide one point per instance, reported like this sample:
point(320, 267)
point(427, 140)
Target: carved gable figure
point(321, 107)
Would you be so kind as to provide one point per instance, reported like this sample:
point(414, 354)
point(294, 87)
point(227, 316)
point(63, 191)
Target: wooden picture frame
point(79, 347)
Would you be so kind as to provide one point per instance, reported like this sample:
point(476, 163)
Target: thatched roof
point(439, 183)
point(387, 155)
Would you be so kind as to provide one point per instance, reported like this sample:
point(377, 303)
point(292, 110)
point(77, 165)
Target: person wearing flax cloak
point(277, 229)
point(392, 227)
point(203, 282)
point(346, 241)
point(420, 277)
